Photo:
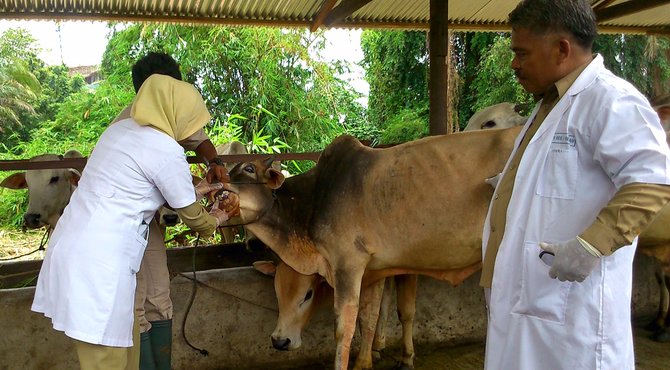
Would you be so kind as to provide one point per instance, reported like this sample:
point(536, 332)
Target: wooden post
point(438, 67)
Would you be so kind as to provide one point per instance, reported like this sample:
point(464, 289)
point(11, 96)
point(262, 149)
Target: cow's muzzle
point(32, 220)
point(281, 343)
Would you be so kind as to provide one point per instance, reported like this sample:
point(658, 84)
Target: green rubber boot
point(147, 361)
point(161, 343)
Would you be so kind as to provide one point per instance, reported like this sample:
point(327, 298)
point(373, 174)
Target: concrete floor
point(649, 355)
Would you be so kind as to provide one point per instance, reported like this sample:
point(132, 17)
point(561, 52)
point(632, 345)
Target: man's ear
point(275, 178)
point(564, 49)
point(15, 181)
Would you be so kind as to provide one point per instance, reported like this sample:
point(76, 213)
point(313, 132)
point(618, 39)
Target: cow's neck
point(285, 226)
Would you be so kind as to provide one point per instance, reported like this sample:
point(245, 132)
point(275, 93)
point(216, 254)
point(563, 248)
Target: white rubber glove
point(573, 261)
point(203, 188)
point(220, 215)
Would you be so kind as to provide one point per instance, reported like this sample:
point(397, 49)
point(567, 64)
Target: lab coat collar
point(585, 79)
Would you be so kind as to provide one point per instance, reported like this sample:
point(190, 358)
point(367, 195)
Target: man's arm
point(627, 214)
point(203, 147)
point(215, 167)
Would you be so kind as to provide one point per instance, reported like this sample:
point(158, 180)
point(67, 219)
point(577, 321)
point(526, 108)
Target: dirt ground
point(649, 355)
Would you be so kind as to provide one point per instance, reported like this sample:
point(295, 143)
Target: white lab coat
point(87, 281)
point(600, 136)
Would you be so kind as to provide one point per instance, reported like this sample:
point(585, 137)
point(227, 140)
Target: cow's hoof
point(662, 336)
point(403, 366)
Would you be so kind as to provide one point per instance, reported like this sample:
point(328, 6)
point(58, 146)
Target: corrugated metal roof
point(405, 14)
point(492, 15)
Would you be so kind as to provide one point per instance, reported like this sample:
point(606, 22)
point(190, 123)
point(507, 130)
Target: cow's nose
point(32, 220)
point(281, 343)
point(170, 220)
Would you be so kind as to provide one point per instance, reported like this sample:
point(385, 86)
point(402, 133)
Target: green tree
point(495, 81)
point(267, 77)
point(396, 68)
point(469, 49)
point(18, 86)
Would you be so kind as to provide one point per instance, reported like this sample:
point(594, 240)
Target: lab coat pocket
point(136, 246)
point(541, 296)
point(558, 178)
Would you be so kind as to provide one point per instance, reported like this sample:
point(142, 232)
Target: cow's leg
point(379, 342)
point(406, 286)
point(663, 333)
point(347, 293)
point(371, 297)
point(658, 322)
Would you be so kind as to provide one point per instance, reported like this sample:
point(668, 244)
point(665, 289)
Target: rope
point(202, 351)
point(40, 248)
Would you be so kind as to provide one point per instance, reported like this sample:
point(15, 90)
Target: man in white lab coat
point(589, 171)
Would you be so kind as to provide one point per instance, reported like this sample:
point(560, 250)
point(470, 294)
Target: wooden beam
point(24, 164)
point(345, 9)
point(323, 13)
point(179, 260)
point(627, 8)
point(437, 82)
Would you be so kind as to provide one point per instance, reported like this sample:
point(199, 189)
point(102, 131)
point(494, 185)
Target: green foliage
point(39, 89)
point(407, 125)
point(396, 67)
point(469, 50)
point(626, 56)
point(267, 76)
point(495, 81)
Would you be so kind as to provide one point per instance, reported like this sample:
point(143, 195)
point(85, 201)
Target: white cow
point(503, 115)
point(49, 190)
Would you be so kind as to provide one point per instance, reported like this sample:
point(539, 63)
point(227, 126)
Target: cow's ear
point(15, 181)
point(274, 178)
point(265, 267)
point(74, 176)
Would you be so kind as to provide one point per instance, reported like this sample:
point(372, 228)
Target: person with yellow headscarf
point(87, 281)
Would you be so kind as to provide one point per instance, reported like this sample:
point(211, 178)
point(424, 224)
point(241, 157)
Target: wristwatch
point(215, 160)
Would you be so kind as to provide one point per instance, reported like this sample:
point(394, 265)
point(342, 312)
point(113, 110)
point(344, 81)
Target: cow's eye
point(488, 124)
point(249, 168)
point(53, 180)
point(308, 296)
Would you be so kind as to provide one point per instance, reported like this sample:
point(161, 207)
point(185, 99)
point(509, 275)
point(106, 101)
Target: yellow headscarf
point(172, 106)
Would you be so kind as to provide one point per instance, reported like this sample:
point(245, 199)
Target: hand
point(217, 172)
point(572, 261)
point(229, 202)
point(220, 215)
point(204, 187)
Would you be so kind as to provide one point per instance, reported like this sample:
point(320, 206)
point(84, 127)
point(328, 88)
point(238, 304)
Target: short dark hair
point(575, 17)
point(154, 63)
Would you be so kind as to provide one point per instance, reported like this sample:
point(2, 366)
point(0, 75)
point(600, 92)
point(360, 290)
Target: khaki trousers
point(99, 357)
point(152, 295)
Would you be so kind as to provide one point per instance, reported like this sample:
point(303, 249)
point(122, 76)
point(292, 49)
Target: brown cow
point(415, 208)
point(300, 296)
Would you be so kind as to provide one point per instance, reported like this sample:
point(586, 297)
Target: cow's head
point(503, 115)
point(298, 297)
point(49, 190)
point(254, 183)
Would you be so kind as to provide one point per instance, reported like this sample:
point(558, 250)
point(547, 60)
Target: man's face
point(535, 62)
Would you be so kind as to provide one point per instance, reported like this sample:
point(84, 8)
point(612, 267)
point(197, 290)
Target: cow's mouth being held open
point(253, 184)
